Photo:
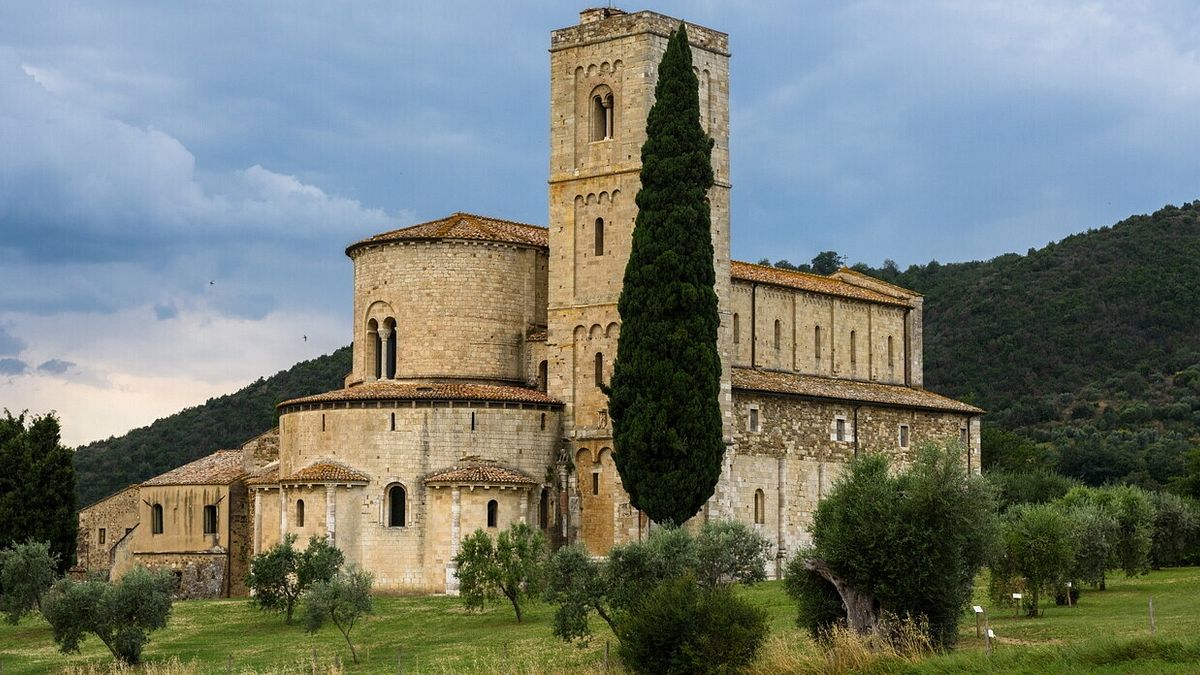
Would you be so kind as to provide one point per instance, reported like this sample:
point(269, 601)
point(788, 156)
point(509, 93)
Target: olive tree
point(281, 574)
point(906, 543)
point(1039, 547)
point(121, 614)
point(344, 599)
point(512, 567)
point(26, 573)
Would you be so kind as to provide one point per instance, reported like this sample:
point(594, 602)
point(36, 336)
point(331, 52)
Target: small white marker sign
point(991, 634)
point(1068, 584)
point(1016, 596)
point(978, 609)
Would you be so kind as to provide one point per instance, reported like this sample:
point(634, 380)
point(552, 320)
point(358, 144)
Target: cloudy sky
point(178, 180)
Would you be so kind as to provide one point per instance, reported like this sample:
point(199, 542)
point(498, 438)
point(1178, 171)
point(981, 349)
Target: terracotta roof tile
point(465, 226)
point(847, 390)
point(326, 472)
point(485, 474)
point(388, 390)
point(815, 283)
point(220, 468)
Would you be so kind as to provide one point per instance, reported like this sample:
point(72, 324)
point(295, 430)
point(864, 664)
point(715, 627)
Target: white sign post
point(978, 618)
point(1017, 597)
point(990, 636)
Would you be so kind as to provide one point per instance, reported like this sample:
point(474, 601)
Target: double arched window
point(603, 122)
point(381, 342)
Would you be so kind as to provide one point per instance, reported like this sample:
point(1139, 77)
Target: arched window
point(393, 421)
point(374, 348)
point(760, 507)
point(737, 330)
point(817, 345)
point(210, 519)
point(853, 352)
point(156, 519)
point(299, 513)
point(543, 375)
point(390, 352)
point(493, 507)
point(544, 509)
point(599, 236)
point(599, 369)
point(396, 498)
point(472, 420)
point(543, 428)
point(602, 115)
point(891, 362)
point(778, 333)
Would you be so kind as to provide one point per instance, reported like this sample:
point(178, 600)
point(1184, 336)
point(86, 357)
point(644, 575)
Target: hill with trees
point(104, 467)
point(1087, 349)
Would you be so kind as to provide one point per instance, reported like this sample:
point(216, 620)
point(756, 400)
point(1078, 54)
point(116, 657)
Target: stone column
point(257, 521)
point(385, 352)
point(282, 513)
point(330, 513)
point(455, 535)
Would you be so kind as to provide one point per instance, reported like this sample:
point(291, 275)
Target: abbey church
point(479, 350)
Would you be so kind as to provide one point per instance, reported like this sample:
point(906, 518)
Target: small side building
point(103, 526)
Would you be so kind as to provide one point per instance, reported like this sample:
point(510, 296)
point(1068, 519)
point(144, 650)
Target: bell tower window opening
point(599, 236)
point(374, 349)
point(602, 112)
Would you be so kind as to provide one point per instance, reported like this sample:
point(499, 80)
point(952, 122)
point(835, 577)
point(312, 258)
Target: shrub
point(820, 606)
point(683, 627)
point(121, 614)
point(26, 573)
point(513, 568)
point(344, 599)
point(1176, 530)
point(281, 574)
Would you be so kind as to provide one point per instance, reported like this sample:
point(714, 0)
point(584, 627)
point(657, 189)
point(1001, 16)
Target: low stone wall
point(201, 575)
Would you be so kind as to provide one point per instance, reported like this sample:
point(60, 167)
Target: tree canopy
point(37, 485)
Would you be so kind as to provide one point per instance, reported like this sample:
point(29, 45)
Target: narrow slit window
point(599, 369)
point(840, 429)
point(393, 421)
point(492, 508)
point(778, 333)
point(891, 354)
point(210, 519)
point(853, 351)
point(754, 422)
point(543, 428)
point(760, 507)
point(817, 345)
point(299, 513)
point(322, 421)
point(595, 483)
point(156, 519)
point(904, 435)
point(102, 534)
point(472, 421)
point(737, 330)
point(599, 236)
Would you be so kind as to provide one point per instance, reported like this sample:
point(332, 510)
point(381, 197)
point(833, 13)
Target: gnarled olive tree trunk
point(862, 614)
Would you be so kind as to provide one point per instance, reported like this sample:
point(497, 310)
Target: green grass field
point(1108, 632)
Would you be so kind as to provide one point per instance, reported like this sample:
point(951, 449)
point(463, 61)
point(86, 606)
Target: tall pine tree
point(666, 380)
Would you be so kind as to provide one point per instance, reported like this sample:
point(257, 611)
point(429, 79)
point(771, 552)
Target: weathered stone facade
point(102, 525)
point(480, 347)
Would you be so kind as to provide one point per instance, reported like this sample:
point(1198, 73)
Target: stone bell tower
point(602, 77)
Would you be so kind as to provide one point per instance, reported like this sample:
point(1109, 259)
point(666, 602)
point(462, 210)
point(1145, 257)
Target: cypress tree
point(666, 381)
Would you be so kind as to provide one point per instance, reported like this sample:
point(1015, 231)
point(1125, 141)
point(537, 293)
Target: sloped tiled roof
point(269, 475)
point(220, 468)
point(846, 390)
point(816, 283)
point(326, 472)
point(485, 474)
point(464, 226)
point(388, 390)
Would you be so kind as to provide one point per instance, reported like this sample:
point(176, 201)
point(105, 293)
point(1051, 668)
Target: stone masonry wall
point(462, 309)
point(200, 575)
point(115, 515)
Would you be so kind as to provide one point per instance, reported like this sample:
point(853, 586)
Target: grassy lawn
point(435, 635)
